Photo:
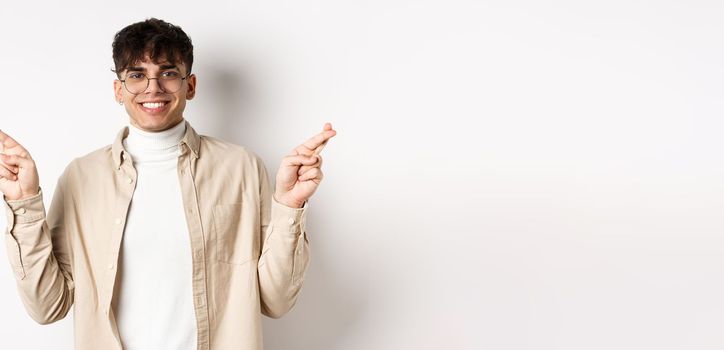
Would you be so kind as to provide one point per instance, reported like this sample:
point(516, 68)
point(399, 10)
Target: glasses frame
point(148, 83)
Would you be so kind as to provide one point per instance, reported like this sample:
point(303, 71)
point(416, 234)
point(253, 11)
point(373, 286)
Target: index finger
point(319, 140)
point(320, 148)
point(7, 142)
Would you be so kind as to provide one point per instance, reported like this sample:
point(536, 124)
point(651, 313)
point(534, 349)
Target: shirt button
point(291, 220)
point(20, 211)
point(129, 180)
point(110, 267)
point(118, 221)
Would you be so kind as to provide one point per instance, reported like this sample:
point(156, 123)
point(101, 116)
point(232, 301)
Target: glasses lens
point(170, 83)
point(136, 83)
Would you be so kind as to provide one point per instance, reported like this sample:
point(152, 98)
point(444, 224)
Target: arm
point(284, 245)
point(38, 249)
point(284, 250)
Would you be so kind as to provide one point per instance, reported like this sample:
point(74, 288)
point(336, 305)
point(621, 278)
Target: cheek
point(180, 103)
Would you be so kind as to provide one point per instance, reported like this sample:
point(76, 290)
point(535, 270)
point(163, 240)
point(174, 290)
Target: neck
point(140, 142)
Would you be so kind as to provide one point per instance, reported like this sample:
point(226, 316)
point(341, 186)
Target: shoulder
point(101, 157)
point(89, 164)
point(230, 159)
point(215, 149)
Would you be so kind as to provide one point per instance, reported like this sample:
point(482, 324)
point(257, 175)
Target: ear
point(191, 87)
point(118, 90)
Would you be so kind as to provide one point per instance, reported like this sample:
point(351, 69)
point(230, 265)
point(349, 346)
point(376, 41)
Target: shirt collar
point(191, 139)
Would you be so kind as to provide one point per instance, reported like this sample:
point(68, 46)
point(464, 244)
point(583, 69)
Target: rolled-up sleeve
point(39, 254)
point(285, 251)
point(24, 217)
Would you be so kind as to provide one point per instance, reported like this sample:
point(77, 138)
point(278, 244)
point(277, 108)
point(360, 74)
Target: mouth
point(154, 107)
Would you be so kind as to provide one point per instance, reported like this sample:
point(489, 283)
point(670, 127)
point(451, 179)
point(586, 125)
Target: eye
point(135, 76)
point(170, 74)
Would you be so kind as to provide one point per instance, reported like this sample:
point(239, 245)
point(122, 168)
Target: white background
point(506, 174)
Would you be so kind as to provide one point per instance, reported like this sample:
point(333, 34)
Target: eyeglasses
point(169, 81)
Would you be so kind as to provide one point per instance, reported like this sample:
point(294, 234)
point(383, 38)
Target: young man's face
point(155, 108)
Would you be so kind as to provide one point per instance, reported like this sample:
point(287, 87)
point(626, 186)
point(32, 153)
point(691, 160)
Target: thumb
point(14, 159)
point(300, 159)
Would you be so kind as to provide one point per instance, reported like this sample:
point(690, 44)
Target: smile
point(153, 107)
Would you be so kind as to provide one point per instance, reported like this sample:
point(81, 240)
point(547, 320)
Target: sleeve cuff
point(24, 210)
point(288, 219)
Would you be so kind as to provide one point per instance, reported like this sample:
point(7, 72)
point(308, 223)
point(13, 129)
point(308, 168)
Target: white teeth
point(154, 105)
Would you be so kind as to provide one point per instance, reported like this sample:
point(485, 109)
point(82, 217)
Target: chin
point(155, 123)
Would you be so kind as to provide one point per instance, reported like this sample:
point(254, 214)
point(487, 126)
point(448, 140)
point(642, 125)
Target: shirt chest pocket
point(233, 235)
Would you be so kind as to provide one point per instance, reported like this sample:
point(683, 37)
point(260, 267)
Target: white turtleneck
point(155, 309)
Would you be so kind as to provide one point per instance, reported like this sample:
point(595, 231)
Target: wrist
point(23, 196)
point(288, 203)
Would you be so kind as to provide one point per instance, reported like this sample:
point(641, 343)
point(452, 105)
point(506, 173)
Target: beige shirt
point(250, 252)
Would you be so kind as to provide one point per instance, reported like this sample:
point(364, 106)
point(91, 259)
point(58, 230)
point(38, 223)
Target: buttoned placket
point(186, 166)
point(126, 177)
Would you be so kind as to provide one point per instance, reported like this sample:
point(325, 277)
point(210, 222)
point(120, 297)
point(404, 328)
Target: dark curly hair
point(154, 37)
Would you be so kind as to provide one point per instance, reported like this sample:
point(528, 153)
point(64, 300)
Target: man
point(164, 239)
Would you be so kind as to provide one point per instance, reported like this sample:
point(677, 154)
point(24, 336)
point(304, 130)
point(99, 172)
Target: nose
point(154, 85)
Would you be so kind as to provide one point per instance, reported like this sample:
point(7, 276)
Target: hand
point(300, 172)
point(18, 175)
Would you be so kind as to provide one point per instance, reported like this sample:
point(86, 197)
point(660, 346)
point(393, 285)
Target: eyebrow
point(141, 69)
